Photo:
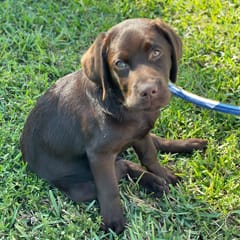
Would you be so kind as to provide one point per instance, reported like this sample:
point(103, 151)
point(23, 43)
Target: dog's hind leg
point(86, 191)
point(75, 189)
point(178, 146)
point(150, 181)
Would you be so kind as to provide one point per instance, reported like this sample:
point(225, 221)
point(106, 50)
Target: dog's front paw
point(170, 177)
point(154, 184)
point(114, 221)
point(166, 174)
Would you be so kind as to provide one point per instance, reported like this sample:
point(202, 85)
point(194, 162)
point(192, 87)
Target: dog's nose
point(148, 90)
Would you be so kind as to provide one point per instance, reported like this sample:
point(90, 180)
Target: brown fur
point(73, 136)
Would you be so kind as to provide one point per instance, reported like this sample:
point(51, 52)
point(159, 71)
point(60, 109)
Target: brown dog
point(73, 136)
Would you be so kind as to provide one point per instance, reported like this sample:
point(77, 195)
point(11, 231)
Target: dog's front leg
point(147, 154)
point(103, 170)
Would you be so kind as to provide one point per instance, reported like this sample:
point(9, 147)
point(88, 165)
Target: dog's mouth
point(149, 105)
point(154, 107)
point(148, 97)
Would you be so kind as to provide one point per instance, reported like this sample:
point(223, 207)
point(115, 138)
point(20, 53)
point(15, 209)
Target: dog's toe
point(154, 184)
point(195, 144)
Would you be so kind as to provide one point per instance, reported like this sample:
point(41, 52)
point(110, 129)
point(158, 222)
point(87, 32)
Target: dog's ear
point(175, 43)
point(94, 63)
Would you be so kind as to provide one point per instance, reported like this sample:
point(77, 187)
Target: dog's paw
point(116, 225)
point(196, 144)
point(114, 221)
point(154, 184)
point(170, 177)
point(166, 174)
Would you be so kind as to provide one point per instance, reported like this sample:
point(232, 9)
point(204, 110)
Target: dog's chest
point(136, 129)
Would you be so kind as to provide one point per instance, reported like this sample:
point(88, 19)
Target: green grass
point(41, 41)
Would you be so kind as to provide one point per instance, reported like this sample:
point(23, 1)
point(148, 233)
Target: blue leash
point(204, 102)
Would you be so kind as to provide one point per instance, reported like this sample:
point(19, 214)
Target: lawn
point(43, 40)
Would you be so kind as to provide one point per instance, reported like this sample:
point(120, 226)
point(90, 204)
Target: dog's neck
point(110, 106)
point(113, 108)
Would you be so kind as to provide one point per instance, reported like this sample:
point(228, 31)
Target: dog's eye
point(121, 65)
point(156, 53)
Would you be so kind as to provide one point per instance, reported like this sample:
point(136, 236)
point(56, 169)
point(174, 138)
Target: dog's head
point(135, 59)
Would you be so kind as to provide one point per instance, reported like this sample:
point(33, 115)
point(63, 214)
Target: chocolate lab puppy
point(78, 128)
